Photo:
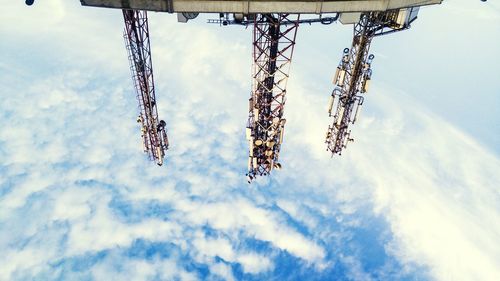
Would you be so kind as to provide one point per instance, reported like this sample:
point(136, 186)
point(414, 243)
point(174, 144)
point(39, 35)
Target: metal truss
point(224, 20)
point(354, 72)
point(153, 131)
point(273, 44)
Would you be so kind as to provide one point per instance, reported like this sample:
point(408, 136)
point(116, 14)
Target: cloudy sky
point(415, 197)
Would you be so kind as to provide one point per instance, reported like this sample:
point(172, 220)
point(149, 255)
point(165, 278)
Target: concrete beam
point(259, 6)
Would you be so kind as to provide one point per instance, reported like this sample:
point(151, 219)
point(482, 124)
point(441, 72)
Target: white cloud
point(103, 230)
point(253, 263)
point(438, 191)
point(130, 269)
point(35, 182)
point(71, 151)
point(256, 222)
point(222, 248)
point(223, 271)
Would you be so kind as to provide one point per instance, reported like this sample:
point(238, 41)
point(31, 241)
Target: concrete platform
point(259, 6)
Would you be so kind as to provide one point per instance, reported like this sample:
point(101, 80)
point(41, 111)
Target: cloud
point(129, 268)
point(263, 225)
point(222, 248)
point(442, 204)
point(223, 271)
point(413, 196)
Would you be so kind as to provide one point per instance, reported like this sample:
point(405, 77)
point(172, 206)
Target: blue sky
point(415, 197)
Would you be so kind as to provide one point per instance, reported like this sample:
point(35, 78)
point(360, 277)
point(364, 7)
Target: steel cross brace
point(153, 131)
point(353, 76)
point(273, 44)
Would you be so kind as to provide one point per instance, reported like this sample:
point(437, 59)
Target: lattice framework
point(273, 44)
point(353, 76)
point(153, 131)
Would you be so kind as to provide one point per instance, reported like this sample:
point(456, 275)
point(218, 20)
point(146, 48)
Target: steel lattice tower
point(153, 131)
point(275, 26)
point(273, 44)
point(354, 73)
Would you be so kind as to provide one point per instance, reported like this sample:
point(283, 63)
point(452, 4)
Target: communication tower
point(275, 25)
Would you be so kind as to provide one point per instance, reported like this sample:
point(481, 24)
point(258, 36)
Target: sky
point(414, 197)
